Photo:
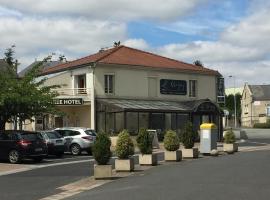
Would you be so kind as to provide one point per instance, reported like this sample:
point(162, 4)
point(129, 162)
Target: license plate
point(38, 149)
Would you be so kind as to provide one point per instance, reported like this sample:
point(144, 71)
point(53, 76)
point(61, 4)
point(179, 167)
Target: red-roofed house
point(128, 88)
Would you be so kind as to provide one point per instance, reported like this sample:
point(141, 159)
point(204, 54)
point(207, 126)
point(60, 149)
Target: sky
point(231, 36)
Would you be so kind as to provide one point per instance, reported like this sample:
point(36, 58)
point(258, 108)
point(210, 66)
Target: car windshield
point(90, 132)
point(30, 136)
point(53, 135)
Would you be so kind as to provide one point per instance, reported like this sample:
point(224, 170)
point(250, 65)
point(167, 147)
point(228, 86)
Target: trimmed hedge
point(261, 125)
point(124, 145)
point(101, 149)
point(188, 136)
point(229, 137)
point(144, 141)
point(171, 141)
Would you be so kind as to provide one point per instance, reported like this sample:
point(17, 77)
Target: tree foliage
point(171, 141)
point(198, 63)
point(26, 97)
point(101, 150)
point(229, 104)
point(124, 145)
point(188, 136)
point(144, 141)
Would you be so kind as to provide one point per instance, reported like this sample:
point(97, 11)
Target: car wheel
point(14, 157)
point(75, 149)
point(38, 159)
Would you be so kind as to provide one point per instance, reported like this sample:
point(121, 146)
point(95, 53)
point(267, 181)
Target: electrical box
point(208, 137)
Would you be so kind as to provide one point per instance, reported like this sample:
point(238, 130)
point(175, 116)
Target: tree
point(9, 58)
point(24, 98)
point(198, 63)
point(62, 58)
point(229, 104)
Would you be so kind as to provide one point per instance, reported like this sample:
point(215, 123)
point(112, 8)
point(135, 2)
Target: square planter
point(124, 165)
point(173, 155)
point(103, 171)
point(148, 159)
point(190, 153)
point(230, 148)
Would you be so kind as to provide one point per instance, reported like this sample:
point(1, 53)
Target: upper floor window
point(109, 84)
point(192, 88)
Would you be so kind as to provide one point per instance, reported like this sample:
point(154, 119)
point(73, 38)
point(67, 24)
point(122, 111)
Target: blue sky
point(226, 35)
point(204, 23)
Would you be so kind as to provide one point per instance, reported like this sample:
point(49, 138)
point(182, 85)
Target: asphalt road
point(242, 176)
point(43, 182)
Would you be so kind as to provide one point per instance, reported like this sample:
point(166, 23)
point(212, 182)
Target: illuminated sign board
point(68, 102)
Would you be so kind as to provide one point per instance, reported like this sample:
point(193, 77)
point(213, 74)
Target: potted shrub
point(144, 141)
point(188, 137)
point(102, 155)
point(229, 144)
point(124, 151)
point(171, 145)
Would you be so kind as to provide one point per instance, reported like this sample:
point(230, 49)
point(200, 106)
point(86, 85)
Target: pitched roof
point(260, 92)
point(123, 55)
point(45, 65)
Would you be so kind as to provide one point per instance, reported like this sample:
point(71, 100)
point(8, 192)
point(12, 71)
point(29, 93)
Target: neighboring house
point(255, 104)
point(44, 66)
point(128, 88)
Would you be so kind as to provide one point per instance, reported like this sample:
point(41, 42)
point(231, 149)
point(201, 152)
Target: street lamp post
point(234, 99)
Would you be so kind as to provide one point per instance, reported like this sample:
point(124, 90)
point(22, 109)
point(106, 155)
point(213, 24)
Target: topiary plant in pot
point(124, 150)
point(229, 144)
point(171, 145)
point(144, 141)
point(102, 155)
point(188, 137)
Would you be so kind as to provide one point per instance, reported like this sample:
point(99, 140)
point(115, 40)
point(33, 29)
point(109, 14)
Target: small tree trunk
point(20, 125)
point(2, 125)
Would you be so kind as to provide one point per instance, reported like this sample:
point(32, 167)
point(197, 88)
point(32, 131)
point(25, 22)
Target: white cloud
point(77, 37)
point(136, 43)
point(211, 52)
point(107, 9)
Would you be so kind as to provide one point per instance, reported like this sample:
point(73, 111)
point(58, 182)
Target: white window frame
point(191, 85)
point(109, 88)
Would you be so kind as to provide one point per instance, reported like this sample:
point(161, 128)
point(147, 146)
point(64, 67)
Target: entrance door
point(157, 121)
point(58, 121)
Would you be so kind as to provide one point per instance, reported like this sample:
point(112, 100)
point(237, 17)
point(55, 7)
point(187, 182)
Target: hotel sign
point(175, 87)
point(68, 102)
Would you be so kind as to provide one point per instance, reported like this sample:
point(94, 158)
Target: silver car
point(78, 139)
point(55, 142)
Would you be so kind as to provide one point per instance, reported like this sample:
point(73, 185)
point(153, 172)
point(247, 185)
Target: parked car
point(78, 139)
point(55, 143)
point(16, 145)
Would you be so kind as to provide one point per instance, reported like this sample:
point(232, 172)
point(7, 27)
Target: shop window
point(110, 123)
point(168, 121)
point(101, 121)
point(119, 122)
point(132, 122)
point(109, 84)
point(182, 120)
point(143, 120)
point(192, 88)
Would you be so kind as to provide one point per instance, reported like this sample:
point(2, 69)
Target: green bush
point(101, 149)
point(229, 137)
point(144, 141)
point(188, 136)
point(124, 145)
point(171, 141)
point(261, 125)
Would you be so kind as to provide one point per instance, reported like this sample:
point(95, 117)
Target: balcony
point(73, 92)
